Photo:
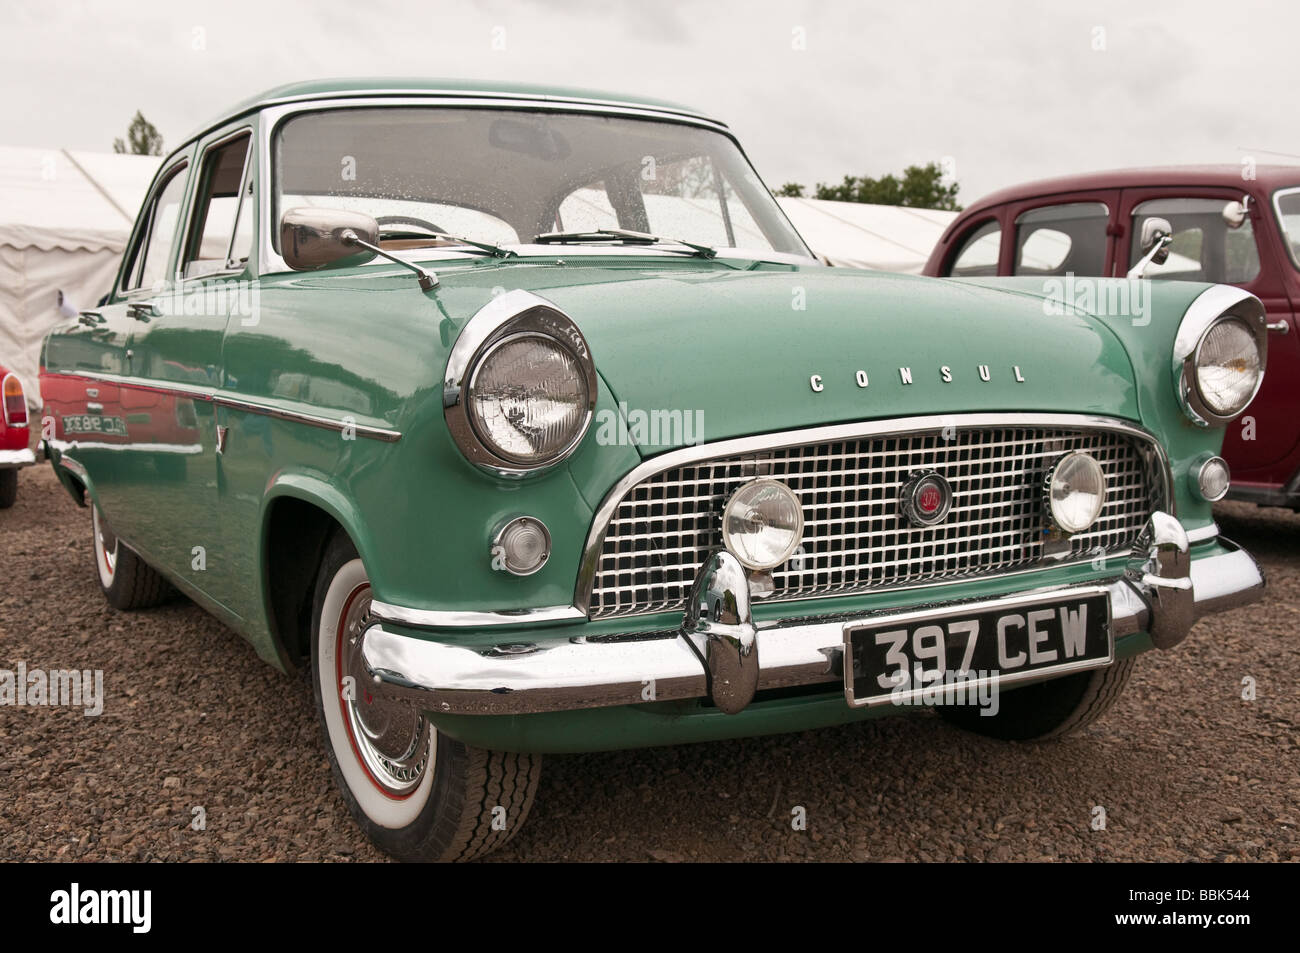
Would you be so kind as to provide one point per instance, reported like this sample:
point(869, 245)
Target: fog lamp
point(762, 524)
point(1076, 491)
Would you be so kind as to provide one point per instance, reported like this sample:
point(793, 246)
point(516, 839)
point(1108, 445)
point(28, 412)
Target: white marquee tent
point(64, 220)
point(65, 217)
point(854, 235)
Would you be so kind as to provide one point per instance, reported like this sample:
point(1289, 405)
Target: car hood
point(746, 348)
point(753, 351)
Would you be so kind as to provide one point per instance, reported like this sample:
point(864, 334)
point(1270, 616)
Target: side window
point(1062, 238)
point(586, 210)
point(220, 233)
point(978, 255)
point(1205, 246)
point(149, 259)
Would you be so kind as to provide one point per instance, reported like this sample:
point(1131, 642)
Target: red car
point(14, 436)
point(1237, 225)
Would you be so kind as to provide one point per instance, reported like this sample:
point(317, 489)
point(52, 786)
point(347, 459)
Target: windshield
point(1288, 215)
point(508, 176)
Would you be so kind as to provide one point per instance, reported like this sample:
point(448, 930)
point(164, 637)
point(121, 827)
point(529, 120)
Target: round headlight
point(1076, 491)
point(762, 524)
point(1228, 367)
point(528, 399)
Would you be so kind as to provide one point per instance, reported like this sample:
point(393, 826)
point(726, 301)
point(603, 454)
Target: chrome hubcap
point(392, 739)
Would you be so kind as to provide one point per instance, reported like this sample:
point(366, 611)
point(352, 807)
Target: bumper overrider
point(720, 654)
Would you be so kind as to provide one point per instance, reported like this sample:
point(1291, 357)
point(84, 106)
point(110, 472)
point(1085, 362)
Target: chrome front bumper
point(16, 458)
point(721, 654)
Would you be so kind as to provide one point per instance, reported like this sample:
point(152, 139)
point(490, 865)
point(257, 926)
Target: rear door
point(1206, 248)
point(177, 348)
point(90, 366)
point(1057, 235)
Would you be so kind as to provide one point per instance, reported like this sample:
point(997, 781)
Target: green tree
point(142, 138)
point(921, 186)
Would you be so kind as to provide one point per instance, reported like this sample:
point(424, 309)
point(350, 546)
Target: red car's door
point(1056, 235)
point(1206, 248)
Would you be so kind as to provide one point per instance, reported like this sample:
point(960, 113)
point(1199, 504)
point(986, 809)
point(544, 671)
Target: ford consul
point(526, 423)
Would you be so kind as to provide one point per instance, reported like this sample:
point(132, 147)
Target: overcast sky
point(1007, 91)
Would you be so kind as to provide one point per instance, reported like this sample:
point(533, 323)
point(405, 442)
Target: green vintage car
point(525, 419)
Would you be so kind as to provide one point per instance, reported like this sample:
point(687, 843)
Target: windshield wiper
point(496, 251)
point(600, 235)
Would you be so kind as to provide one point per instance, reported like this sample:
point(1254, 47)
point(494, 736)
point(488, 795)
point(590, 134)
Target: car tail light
point(15, 404)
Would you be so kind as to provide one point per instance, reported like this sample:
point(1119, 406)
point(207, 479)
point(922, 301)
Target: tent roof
point(57, 198)
point(856, 235)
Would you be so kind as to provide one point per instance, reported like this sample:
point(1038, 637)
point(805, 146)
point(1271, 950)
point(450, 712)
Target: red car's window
point(978, 255)
point(1205, 246)
point(1060, 239)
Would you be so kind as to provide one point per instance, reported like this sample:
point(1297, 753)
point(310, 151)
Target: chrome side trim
point(312, 420)
point(456, 619)
point(221, 399)
point(838, 432)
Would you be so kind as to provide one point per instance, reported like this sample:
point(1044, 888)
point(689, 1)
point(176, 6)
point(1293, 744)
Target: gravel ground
point(1183, 766)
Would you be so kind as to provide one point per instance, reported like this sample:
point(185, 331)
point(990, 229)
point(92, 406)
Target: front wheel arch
point(300, 502)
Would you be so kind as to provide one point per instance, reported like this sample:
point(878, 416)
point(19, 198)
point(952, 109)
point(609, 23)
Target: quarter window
point(149, 263)
point(1058, 239)
point(979, 254)
point(1205, 247)
point(220, 236)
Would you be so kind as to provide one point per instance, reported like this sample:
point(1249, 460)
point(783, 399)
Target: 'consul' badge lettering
point(926, 498)
point(984, 372)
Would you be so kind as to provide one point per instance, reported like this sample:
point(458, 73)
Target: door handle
point(1281, 327)
point(91, 319)
point(141, 310)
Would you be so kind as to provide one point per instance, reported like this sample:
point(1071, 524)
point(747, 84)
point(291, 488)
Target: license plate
point(95, 424)
point(902, 658)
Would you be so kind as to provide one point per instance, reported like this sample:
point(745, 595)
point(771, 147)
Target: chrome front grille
point(855, 539)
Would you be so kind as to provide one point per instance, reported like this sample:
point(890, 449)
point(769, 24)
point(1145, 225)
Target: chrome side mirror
point(1235, 213)
point(312, 238)
point(1155, 238)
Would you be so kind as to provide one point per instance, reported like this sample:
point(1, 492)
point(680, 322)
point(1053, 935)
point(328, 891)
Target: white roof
point(58, 198)
point(857, 235)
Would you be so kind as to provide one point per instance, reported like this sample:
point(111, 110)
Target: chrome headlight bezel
point(510, 315)
point(1213, 306)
